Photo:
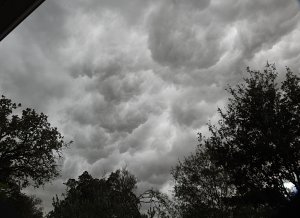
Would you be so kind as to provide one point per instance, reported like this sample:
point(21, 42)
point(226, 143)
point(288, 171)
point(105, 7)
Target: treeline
point(242, 169)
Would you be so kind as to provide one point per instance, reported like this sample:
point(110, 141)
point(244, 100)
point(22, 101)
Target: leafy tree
point(252, 151)
point(91, 197)
point(29, 146)
point(201, 188)
point(257, 139)
point(14, 204)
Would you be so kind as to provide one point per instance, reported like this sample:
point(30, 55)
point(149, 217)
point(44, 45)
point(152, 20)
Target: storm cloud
point(132, 83)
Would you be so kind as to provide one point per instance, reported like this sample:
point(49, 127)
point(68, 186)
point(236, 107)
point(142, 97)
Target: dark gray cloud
point(132, 82)
point(178, 40)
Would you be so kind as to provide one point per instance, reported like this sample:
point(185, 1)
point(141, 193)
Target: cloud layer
point(132, 83)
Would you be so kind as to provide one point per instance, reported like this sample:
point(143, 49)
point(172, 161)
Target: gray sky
point(132, 82)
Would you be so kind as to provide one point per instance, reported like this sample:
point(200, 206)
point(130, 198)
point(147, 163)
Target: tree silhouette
point(201, 188)
point(257, 139)
point(91, 197)
point(251, 152)
point(14, 204)
point(160, 206)
point(29, 150)
point(29, 146)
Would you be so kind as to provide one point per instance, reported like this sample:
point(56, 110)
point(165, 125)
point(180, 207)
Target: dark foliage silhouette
point(291, 209)
point(201, 187)
point(29, 146)
point(160, 206)
point(91, 197)
point(29, 150)
point(252, 151)
point(14, 204)
point(257, 139)
point(110, 197)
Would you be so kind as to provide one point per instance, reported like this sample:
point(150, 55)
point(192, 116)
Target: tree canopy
point(257, 138)
point(14, 204)
point(201, 188)
point(91, 197)
point(113, 196)
point(251, 153)
point(29, 146)
point(29, 150)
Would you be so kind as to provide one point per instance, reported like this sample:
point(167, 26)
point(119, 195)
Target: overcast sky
point(131, 82)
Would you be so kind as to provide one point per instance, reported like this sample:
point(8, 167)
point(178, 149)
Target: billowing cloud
point(132, 82)
point(178, 40)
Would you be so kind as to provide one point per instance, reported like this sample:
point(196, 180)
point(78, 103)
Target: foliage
point(251, 153)
point(201, 188)
point(91, 197)
point(29, 146)
point(257, 140)
point(14, 204)
point(159, 204)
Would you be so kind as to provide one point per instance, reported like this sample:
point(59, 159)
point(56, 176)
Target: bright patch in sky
point(290, 187)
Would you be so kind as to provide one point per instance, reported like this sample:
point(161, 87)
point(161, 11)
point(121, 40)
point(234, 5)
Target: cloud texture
point(132, 83)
